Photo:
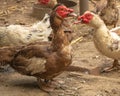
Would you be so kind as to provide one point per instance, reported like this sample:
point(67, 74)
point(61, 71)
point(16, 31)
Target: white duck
point(106, 41)
point(13, 35)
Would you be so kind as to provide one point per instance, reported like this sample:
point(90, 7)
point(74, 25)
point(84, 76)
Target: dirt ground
point(70, 83)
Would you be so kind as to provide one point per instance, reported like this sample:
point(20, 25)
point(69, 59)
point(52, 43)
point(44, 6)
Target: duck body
point(46, 60)
point(42, 61)
point(16, 35)
point(106, 41)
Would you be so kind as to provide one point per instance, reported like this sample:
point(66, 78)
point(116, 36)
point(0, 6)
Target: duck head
point(59, 13)
point(90, 19)
point(85, 18)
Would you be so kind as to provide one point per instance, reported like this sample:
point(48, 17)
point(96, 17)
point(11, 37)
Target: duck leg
point(46, 85)
point(115, 66)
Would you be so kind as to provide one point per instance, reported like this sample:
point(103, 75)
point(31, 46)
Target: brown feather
point(45, 60)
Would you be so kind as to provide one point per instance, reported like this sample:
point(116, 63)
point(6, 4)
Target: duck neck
point(101, 30)
point(60, 40)
point(102, 38)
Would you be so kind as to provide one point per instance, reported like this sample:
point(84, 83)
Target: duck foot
point(96, 71)
point(115, 66)
point(46, 85)
point(101, 69)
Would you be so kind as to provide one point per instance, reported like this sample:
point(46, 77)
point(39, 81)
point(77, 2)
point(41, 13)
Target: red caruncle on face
point(43, 1)
point(63, 11)
point(85, 18)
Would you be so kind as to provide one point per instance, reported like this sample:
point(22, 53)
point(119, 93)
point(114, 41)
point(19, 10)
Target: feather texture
point(13, 35)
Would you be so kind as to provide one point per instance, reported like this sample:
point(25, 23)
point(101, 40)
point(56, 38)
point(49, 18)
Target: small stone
point(83, 81)
point(18, 1)
point(114, 91)
point(61, 82)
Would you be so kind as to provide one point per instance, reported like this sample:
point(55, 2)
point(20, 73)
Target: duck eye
point(62, 9)
point(87, 14)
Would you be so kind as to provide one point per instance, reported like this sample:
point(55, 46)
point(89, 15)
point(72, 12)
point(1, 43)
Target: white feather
point(36, 65)
point(114, 34)
point(18, 34)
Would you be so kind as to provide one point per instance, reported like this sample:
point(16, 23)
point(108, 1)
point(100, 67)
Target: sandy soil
point(70, 83)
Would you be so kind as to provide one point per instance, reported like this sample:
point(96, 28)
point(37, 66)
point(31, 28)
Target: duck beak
point(72, 14)
point(80, 19)
point(77, 22)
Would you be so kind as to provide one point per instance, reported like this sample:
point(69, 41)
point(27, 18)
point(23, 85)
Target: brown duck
point(46, 61)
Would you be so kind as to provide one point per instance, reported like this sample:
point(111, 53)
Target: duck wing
point(31, 60)
point(115, 30)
